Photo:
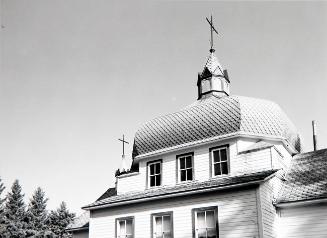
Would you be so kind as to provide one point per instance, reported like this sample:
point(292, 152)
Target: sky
point(78, 74)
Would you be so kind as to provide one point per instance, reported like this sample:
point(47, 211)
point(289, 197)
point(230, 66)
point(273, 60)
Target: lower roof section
point(306, 178)
point(219, 183)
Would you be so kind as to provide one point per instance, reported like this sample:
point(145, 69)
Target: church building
point(225, 166)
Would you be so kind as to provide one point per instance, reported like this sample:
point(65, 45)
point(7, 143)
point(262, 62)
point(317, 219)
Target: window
point(154, 169)
point(219, 157)
point(162, 225)
point(205, 222)
point(185, 167)
point(125, 227)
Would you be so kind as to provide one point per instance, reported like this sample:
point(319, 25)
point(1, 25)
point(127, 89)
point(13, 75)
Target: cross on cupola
point(213, 80)
point(126, 162)
point(212, 30)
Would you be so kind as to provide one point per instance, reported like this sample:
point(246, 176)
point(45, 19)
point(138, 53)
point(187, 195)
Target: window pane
point(122, 227)
point(129, 227)
point(224, 168)
point(216, 157)
point(182, 163)
point(151, 169)
point(129, 236)
point(210, 219)
point(188, 162)
point(157, 168)
point(158, 225)
point(212, 233)
point(152, 181)
point(217, 169)
point(200, 220)
point(166, 224)
point(183, 175)
point(223, 154)
point(202, 233)
point(189, 174)
point(158, 180)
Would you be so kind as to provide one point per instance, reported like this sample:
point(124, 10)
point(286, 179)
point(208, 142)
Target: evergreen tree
point(37, 214)
point(59, 220)
point(2, 221)
point(14, 212)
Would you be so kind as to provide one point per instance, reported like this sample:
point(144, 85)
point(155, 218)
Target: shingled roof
point(212, 66)
point(181, 189)
point(214, 118)
point(306, 178)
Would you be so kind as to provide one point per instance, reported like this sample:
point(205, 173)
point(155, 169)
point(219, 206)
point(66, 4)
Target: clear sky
point(77, 74)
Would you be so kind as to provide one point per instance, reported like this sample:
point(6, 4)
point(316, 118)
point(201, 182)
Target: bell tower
point(213, 80)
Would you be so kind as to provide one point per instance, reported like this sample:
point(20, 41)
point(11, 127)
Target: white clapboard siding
point(267, 209)
point(237, 215)
point(250, 162)
point(303, 222)
point(130, 182)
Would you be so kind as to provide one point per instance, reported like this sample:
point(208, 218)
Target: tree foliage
point(14, 212)
point(60, 219)
point(35, 221)
point(37, 214)
point(2, 200)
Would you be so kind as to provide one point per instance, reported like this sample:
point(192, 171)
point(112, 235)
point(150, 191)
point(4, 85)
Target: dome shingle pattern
point(215, 117)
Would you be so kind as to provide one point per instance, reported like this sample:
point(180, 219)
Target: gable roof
point(306, 179)
point(215, 118)
point(182, 189)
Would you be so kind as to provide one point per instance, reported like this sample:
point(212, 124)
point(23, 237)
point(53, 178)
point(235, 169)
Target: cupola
point(213, 80)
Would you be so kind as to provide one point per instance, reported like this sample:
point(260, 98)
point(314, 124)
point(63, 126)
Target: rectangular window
point(154, 169)
point(219, 157)
point(125, 227)
point(205, 222)
point(185, 166)
point(162, 225)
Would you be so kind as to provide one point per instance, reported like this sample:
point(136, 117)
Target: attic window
point(219, 160)
point(185, 167)
point(154, 170)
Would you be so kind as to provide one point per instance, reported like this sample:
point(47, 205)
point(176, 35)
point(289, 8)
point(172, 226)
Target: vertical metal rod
point(314, 135)
point(211, 33)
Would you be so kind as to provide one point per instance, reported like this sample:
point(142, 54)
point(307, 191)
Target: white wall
point(239, 164)
point(303, 222)
point(237, 215)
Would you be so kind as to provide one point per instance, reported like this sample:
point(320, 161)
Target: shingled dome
point(213, 118)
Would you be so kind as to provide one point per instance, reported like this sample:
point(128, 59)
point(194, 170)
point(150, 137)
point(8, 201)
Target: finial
point(212, 29)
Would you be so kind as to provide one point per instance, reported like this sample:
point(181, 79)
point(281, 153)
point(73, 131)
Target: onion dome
point(213, 118)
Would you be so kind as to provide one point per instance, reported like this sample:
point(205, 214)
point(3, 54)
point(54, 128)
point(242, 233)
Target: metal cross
point(123, 140)
point(212, 29)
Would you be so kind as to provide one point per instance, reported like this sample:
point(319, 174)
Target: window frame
point(124, 219)
point(202, 209)
point(178, 169)
point(148, 173)
point(170, 213)
point(211, 163)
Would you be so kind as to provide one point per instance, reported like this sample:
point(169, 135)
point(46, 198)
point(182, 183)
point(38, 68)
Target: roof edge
point(287, 145)
point(179, 194)
point(305, 202)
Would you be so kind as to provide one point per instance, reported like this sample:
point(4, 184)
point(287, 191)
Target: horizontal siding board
point(236, 214)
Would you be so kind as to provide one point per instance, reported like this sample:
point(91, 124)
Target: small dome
point(214, 118)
